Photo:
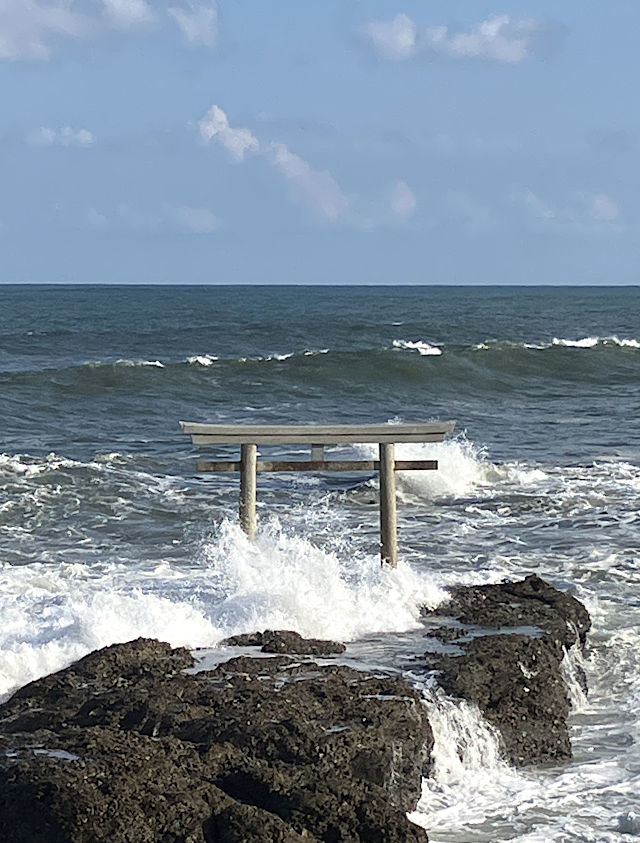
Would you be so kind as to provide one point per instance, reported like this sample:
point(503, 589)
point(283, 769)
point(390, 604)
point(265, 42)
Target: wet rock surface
point(125, 746)
point(129, 745)
point(285, 641)
point(510, 640)
point(529, 602)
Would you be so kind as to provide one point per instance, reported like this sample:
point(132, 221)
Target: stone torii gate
point(386, 436)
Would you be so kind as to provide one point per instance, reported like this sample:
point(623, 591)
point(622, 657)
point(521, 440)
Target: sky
point(320, 141)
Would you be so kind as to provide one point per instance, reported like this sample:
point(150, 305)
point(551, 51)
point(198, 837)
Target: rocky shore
point(284, 745)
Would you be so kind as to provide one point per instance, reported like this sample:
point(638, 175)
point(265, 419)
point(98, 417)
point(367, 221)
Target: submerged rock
point(510, 639)
point(285, 641)
point(124, 746)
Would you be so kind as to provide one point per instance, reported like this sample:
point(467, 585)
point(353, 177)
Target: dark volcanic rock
point(516, 682)
point(447, 634)
point(285, 641)
point(529, 602)
point(124, 747)
point(515, 676)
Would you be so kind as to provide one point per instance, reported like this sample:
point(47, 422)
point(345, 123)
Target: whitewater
point(108, 533)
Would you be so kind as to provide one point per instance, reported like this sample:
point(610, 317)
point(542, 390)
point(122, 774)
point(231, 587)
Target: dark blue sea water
point(107, 532)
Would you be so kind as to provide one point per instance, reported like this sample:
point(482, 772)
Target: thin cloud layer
point(583, 210)
point(27, 27)
point(499, 38)
point(403, 201)
point(184, 218)
point(317, 190)
point(603, 208)
point(198, 22)
point(193, 220)
point(394, 40)
point(30, 30)
point(66, 136)
point(215, 126)
point(126, 14)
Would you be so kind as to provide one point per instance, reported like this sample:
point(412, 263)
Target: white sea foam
point(474, 795)
point(283, 581)
point(281, 356)
point(584, 342)
point(573, 671)
point(462, 467)
point(425, 349)
point(53, 615)
point(145, 363)
point(467, 768)
point(592, 342)
point(202, 359)
point(19, 464)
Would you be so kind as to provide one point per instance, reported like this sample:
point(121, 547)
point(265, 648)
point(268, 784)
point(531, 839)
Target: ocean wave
point(491, 366)
point(592, 342)
point(202, 359)
point(54, 615)
point(424, 348)
point(557, 342)
point(127, 363)
point(20, 465)
point(462, 468)
point(210, 359)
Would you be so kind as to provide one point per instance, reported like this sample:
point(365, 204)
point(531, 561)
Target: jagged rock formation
point(125, 747)
point(511, 639)
point(285, 641)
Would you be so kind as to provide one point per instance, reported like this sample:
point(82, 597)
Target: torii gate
point(318, 436)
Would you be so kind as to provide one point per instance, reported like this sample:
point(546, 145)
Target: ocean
point(108, 533)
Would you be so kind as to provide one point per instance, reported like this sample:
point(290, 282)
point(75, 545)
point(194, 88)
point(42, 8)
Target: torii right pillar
point(388, 513)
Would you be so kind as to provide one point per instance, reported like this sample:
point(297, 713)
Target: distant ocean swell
point(586, 359)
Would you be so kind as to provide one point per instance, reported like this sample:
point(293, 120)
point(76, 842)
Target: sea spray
point(574, 674)
point(462, 467)
point(54, 615)
point(283, 581)
point(468, 773)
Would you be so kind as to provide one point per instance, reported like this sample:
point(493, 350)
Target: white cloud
point(394, 40)
point(125, 14)
point(31, 29)
point(317, 190)
point(194, 220)
point(582, 211)
point(198, 22)
point(66, 136)
point(27, 26)
point(403, 201)
point(215, 126)
point(500, 38)
point(538, 206)
point(603, 208)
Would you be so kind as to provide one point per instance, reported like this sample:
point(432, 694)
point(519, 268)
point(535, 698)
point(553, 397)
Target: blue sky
point(342, 141)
